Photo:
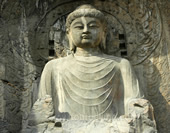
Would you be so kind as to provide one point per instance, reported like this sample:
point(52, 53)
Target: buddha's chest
point(88, 89)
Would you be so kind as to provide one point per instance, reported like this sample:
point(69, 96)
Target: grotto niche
point(34, 32)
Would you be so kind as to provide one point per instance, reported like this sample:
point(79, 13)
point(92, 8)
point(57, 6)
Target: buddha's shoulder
point(57, 63)
point(118, 60)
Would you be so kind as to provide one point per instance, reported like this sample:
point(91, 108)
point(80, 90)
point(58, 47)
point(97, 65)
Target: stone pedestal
point(140, 120)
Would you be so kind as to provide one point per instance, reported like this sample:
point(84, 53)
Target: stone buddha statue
point(89, 86)
point(88, 83)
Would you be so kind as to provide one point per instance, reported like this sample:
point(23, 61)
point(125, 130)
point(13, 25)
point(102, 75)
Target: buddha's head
point(86, 27)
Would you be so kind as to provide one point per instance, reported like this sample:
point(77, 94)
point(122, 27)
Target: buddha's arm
point(130, 84)
point(45, 82)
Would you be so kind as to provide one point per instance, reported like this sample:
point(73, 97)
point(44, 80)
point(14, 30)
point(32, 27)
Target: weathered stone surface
point(22, 49)
point(140, 120)
point(102, 94)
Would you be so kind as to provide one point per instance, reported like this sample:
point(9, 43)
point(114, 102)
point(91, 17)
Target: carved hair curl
point(86, 11)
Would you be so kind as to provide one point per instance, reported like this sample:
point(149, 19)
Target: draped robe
point(89, 87)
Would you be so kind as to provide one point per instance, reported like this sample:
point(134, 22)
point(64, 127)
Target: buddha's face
point(86, 32)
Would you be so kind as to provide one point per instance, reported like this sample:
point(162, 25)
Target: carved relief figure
point(89, 83)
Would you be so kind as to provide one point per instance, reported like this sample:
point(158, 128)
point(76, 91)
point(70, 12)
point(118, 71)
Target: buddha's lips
point(84, 36)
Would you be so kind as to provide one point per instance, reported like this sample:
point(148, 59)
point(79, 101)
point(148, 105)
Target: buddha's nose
point(85, 29)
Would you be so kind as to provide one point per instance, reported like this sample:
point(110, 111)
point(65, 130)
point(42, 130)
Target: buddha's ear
point(103, 41)
point(68, 34)
point(67, 31)
point(71, 44)
point(105, 31)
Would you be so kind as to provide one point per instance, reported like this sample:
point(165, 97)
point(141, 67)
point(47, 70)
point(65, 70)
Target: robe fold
point(89, 87)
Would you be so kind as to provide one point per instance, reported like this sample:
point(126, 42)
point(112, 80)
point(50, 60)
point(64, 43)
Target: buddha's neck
point(87, 51)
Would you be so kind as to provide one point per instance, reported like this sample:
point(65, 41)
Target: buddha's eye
point(93, 26)
point(78, 27)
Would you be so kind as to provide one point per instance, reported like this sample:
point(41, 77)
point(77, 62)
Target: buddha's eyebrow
point(92, 22)
point(77, 23)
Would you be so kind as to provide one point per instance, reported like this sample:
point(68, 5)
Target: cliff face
point(33, 32)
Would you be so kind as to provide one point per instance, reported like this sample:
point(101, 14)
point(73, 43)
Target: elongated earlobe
point(72, 46)
point(104, 42)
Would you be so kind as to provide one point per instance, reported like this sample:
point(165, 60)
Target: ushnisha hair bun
point(86, 11)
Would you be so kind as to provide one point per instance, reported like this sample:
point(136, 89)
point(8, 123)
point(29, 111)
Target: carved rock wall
point(33, 32)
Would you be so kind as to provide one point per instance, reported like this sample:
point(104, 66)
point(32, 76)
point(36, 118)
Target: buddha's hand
point(42, 111)
point(140, 107)
point(141, 111)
